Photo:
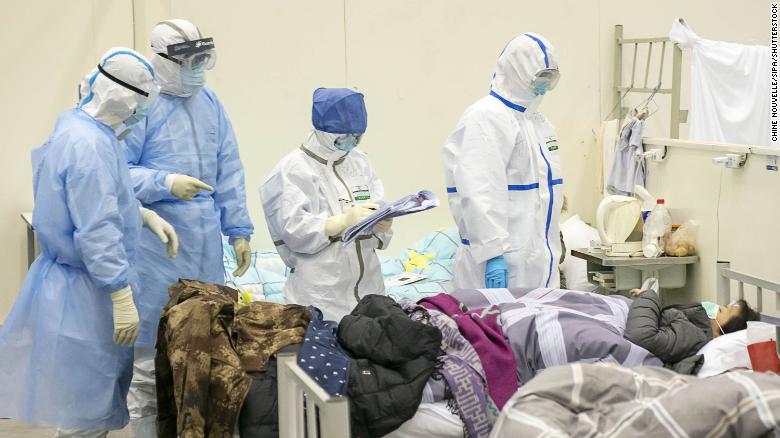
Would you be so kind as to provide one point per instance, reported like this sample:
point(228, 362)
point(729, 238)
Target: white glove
point(185, 187)
point(243, 255)
point(334, 225)
point(383, 226)
point(162, 229)
point(125, 317)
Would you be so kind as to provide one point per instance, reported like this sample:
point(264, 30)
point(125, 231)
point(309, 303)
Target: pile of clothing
point(490, 342)
point(378, 357)
point(211, 355)
point(390, 357)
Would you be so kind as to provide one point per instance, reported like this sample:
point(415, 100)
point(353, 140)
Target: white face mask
point(348, 142)
point(192, 80)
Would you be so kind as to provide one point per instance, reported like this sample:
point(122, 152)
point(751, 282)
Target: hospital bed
point(306, 410)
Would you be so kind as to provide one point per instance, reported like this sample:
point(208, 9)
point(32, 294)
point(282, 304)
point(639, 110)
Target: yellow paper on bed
point(417, 260)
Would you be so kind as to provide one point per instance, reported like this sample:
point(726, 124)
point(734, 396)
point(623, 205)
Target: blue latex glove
point(496, 273)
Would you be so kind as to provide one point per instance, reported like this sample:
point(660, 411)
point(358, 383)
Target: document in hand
point(421, 201)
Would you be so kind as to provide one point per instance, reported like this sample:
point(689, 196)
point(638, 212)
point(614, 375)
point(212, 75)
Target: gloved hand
point(334, 225)
point(162, 229)
point(243, 255)
point(496, 273)
point(383, 226)
point(186, 187)
point(125, 317)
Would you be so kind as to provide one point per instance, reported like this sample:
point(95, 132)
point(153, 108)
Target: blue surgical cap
point(339, 111)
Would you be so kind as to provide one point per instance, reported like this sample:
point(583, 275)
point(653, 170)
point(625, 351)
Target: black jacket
point(260, 412)
point(393, 357)
point(674, 333)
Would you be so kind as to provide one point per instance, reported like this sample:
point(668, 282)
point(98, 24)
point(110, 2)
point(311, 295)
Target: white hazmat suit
point(311, 184)
point(503, 174)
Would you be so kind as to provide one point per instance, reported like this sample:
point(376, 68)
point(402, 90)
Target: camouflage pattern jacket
point(205, 347)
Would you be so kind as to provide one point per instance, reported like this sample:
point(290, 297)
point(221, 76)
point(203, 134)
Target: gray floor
point(13, 429)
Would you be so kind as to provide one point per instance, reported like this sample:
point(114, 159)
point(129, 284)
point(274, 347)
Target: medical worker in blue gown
point(184, 165)
point(66, 347)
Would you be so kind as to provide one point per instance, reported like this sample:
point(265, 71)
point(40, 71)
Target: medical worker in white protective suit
point(66, 347)
point(313, 195)
point(184, 165)
point(503, 174)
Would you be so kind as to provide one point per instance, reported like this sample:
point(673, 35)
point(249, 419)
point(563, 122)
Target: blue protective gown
point(188, 136)
point(59, 365)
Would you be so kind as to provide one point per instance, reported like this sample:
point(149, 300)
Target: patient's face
point(725, 313)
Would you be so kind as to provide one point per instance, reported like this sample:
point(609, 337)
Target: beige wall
point(420, 64)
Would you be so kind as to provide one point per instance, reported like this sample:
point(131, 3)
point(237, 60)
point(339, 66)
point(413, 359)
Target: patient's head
point(735, 316)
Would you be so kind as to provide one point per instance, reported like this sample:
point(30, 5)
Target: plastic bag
point(656, 231)
point(682, 243)
point(762, 347)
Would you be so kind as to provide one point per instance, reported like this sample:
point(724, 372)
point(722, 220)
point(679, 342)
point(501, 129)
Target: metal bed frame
point(678, 116)
point(726, 275)
point(305, 409)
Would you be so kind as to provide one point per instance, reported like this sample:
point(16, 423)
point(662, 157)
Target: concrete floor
point(14, 429)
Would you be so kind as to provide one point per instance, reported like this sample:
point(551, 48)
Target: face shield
point(195, 55)
point(545, 80)
point(144, 105)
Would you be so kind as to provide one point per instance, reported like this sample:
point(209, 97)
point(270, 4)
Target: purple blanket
point(549, 327)
point(480, 327)
point(461, 371)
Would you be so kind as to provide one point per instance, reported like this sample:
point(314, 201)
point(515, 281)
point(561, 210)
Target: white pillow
point(726, 353)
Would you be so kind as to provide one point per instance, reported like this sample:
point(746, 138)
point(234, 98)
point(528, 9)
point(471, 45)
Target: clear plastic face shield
point(545, 80)
point(195, 55)
point(144, 105)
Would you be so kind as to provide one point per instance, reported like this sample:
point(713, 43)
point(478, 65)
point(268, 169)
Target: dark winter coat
point(674, 333)
point(393, 357)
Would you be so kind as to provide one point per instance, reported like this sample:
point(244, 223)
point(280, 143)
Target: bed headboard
point(646, 85)
point(726, 275)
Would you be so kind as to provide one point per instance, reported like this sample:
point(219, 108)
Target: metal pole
point(618, 72)
point(723, 284)
point(674, 122)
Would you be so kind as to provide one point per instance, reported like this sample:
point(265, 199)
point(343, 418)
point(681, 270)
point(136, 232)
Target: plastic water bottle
point(656, 230)
point(648, 201)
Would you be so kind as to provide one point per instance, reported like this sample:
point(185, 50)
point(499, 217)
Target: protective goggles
point(546, 78)
point(150, 95)
point(194, 55)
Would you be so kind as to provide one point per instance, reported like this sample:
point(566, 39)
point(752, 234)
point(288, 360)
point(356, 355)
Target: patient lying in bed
point(675, 333)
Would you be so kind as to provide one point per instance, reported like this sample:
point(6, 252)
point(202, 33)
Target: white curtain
point(729, 89)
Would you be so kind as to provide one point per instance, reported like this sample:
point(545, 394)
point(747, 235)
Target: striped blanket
point(550, 327)
point(606, 400)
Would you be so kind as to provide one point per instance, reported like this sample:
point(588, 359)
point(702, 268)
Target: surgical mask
point(139, 114)
point(719, 327)
point(541, 88)
point(711, 309)
point(193, 80)
point(348, 142)
point(545, 80)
